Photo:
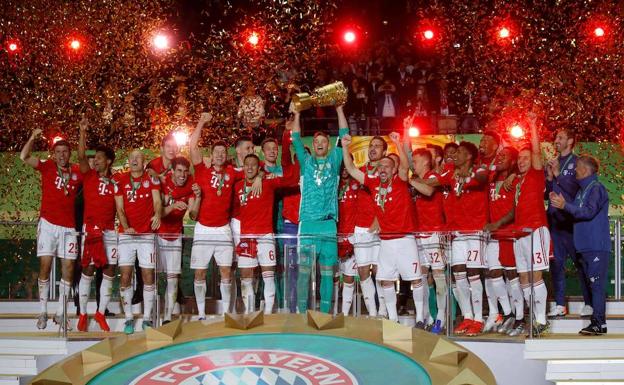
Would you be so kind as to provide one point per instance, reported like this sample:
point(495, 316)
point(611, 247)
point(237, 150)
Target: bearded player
point(398, 254)
point(179, 193)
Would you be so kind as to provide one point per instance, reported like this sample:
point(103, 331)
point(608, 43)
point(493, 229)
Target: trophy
point(330, 95)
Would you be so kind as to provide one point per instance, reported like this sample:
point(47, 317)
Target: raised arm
point(422, 187)
point(356, 173)
point(343, 125)
point(26, 153)
point(536, 150)
point(403, 161)
point(195, 202)
point(195, 152)
point(296, 139)
point(82, 146)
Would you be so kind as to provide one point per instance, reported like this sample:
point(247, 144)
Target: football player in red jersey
point(499, 251)
point(348, 199)
point(428, 205)
point(365, 237)
point(56, 234)
point(139, 208)
point(398, 255)
point(468, 194)
point(533, 250)
point(100, 239)
point(179, 193)
point(212, 234)
point(163, 165)
point(257, 244)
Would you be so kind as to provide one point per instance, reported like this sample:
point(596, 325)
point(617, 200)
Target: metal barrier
point(296, 261)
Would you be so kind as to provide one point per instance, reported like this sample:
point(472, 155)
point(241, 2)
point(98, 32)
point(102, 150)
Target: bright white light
point(75, 44)
point(161, 41)
point(181, 138)
point(349, 36)
point(599, 32)
point(428, 34)
point(504, 33)
point(516, 131)
point(413, 132)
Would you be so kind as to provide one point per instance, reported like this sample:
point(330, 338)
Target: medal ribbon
point(135, 186)
point(581, 196)
point(383, 192)
point(64, 182)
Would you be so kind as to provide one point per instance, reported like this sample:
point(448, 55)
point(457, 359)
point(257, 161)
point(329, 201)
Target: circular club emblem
point(145, 183)
point(248, 367)
point(267, 359)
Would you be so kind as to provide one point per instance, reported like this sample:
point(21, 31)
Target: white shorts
point(365, 246)
point(265, 255)
point(169, 255)
point(235, 225)
point(431, 252)
point(399, 257)
point(56, 241)
point(209, 241)
point(541, 251)
point(110, 246)
point(492, 254)
point(468, 249)
point(348, 267)
point(141, 246)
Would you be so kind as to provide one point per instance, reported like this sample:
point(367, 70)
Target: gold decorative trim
point(446, 362)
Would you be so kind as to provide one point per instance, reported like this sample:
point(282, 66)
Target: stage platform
point(560, 357)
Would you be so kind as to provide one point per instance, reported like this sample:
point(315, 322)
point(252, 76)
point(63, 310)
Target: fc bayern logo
point(248, 367)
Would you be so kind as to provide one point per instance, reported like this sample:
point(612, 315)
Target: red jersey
point(530, 210)
point(158, 165)
point(256, 212)
point(366, 206)
point(172, 223)
point(58, 192)
point(291, 196)
point(137, 198)
point(217, 187)
point(348, 205)
point(469, 202)
point(394, 206)
point(501, 201)
point(430, 209)
point(99, 200)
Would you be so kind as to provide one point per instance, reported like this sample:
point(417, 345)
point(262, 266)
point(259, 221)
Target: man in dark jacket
point(590, 212)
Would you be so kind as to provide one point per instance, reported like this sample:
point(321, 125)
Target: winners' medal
point(135, 186)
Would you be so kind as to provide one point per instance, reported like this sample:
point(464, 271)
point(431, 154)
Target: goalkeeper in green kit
point(318, 213)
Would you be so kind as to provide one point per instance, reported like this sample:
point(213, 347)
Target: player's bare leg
point(368, 288)
point(43, 281)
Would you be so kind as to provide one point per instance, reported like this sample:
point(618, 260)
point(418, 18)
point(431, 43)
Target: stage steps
point(598, 360)
point(18, 356)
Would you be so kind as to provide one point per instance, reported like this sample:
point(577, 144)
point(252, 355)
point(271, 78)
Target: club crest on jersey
point(155, 181)
point(249, 367)
point(146, 183)
point(74, 176)
point(226, 177)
